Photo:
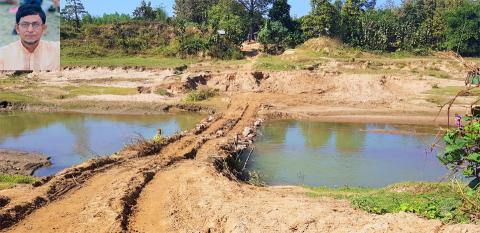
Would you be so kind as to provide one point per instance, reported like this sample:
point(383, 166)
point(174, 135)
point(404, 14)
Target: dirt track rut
point(103, 203)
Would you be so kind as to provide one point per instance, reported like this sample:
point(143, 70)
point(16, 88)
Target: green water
point(7, 23)
point(335, 154)
point(70, 139)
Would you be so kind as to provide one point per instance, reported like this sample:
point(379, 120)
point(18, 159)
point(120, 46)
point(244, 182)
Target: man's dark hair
point(30, 9)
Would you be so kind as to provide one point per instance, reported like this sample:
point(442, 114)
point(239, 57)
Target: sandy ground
point(187, 185)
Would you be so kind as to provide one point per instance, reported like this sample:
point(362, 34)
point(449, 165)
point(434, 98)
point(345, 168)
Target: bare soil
point(189, 185)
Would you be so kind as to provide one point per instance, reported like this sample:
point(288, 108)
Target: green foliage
point(9, 180)
point(280, 12)
point(350, 21)
point(228, 15)
point(122, 61)
point(200, 94)
point(73, 11)
point(193, 10)
point(430, 200)
point(106, 18)
point(379, 30)
point(321, 21)
point(13, 97)
point(463, 27)
point(255, 9)
point(462, 149)
point(145, 11)
point(273, 34)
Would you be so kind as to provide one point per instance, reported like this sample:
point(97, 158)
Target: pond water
point(70, 139)
point(338, 154)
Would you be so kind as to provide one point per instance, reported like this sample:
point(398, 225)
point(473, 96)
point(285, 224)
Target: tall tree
point(145, 11)
point(228, 16)
point(73, 11)
point(321, 21)
point(193, 10)
point(254, 7)
point(350, 21)
point(463, 28)
point(280, 12)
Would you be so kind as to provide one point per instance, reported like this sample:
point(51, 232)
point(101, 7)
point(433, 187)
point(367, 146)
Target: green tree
point(73, 11)
point(228, 16)
point(161, 14)
point(193, 10)
point(321, 21)
point(145, 11)
point(254, 9)
point(350, 21)
point(280, 12)
point(338, 4)
point(379, 30)
point(463, 29)
point(273, 36)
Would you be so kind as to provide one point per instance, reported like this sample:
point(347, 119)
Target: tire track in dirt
point(104, 202)
point(151, 212)
point(72, 180)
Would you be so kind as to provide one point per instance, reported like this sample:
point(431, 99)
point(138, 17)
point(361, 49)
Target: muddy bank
point(107, 107)
point(21, 163)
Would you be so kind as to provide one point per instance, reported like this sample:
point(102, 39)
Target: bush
point(192, 46)
point(273, 36)
point(200, 94)
point(462, 149)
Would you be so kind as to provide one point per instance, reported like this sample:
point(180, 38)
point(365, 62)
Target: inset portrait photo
point(29, 35)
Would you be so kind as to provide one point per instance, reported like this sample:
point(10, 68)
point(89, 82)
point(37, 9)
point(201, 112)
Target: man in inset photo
point(30, 52)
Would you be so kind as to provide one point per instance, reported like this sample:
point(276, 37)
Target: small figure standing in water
point(158, 137)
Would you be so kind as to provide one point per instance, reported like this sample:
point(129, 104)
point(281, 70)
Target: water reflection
point(72, 138)
point(333, 154)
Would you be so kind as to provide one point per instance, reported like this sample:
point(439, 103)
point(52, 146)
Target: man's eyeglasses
point(26, 25)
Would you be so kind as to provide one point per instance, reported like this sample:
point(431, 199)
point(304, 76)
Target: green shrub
point(192, 46)
point(200, 94)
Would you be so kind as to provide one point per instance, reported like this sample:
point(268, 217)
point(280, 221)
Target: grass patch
point(297, 59)
point(452, 91)
point(13, 97)
point(200, 95)
point(9, 181)
point(273, 63)
point(121, 61)
point(96, 90)
point(441, 201)
point(438, 73)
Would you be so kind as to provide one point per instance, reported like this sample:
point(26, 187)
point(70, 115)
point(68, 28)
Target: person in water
point(158, 137)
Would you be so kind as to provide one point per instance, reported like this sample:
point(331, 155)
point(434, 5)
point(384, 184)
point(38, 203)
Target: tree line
point(217, 28)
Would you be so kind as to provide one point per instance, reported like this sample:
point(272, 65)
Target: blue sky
point(98, 7)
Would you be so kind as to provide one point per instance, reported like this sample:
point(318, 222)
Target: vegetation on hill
point(217, 28)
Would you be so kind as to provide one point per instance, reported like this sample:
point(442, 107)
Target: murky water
point(7, 23)
point(335, 154)
point(70, 139)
